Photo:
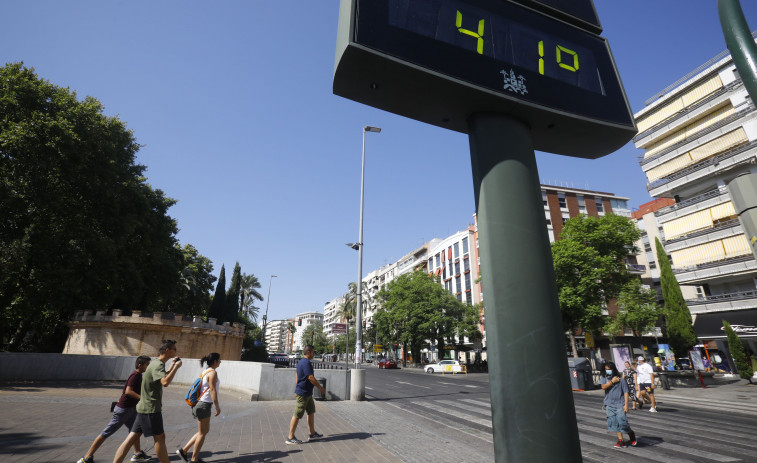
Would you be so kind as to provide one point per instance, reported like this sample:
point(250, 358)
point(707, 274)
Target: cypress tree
point(219, 299)
point(231, 309)
point(743, 365)
point(681, 336)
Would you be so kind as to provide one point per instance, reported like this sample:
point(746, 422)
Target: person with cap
point(645, 382)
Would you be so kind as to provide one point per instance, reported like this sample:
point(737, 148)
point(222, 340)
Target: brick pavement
point(52, 423)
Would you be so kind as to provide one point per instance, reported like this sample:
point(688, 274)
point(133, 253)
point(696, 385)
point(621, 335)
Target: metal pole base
point(533, 416)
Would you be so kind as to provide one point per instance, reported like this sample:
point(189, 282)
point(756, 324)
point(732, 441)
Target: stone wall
point(142, 333)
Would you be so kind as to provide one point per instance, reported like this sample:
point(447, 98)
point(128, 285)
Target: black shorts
point(148, 424)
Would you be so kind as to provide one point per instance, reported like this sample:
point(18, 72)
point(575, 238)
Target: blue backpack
point(194, 393)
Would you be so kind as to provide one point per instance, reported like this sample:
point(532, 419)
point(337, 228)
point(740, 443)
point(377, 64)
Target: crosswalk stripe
point(414, 385)
point(667, 445)
point(651, 454)
point(456, 414)
point(456, 403)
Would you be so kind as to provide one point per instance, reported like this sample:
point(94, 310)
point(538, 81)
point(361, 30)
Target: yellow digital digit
point(541, 57)
point(560, 50)
point(478, 35)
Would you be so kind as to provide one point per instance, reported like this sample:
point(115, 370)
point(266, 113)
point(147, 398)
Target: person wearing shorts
point(202, 409)
point(616, 405)
point(149, 420)
point(303, 395)
point(124, 413)
point(645, 383)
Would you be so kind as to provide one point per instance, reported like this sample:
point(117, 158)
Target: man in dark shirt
point(303, 394)
point(124, 413)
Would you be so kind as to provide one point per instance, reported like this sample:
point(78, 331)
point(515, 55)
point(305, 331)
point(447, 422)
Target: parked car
point(683, 364)
point(386, 363)
point(278, 358)
point(441, 366)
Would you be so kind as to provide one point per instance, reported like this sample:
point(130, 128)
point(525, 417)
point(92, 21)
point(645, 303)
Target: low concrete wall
point(261, 380)
point(686, 378)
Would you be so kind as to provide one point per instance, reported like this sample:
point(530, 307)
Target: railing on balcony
point(717, 263)
point(689, 109)
point(737, 296)
point(720, 226)
point(693, 200)
point(699, 133)
point(636, 268)
point(702, 165)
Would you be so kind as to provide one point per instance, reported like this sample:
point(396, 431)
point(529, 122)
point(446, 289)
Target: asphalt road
point(713, 425)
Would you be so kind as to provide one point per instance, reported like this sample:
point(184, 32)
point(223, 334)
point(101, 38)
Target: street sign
point(339, 328)
point(589, 339)
point(440, 62)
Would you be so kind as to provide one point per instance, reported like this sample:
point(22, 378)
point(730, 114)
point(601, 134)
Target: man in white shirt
point(645, 382)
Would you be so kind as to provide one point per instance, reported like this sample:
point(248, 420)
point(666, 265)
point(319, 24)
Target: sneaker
point(141, 456)
point(619, 445)
point(182, 454)
point(293, 441)
point(315, 436)
point(653, 410)
point(632, 439)
point(86, 460)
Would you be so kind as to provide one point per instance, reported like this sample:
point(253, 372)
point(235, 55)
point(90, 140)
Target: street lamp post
point(267, 301)
point(359, 307)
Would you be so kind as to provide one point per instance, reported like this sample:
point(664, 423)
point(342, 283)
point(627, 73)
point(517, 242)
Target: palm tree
point(249, 292)
point(291, 328)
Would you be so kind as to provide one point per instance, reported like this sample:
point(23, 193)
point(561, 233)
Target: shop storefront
point(709, 329)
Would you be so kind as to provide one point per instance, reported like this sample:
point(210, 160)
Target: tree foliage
point(191, 295)
point(743, 365)
point(231, 305)
point(313, 334)
point(218, 304)
point(249, 294)
point(81, 228)
point(680, 331)
point(637, 310)
point(590, 268)
point(416, 308)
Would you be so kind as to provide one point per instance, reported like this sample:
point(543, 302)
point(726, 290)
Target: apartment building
point(562, 203)
point(697, 135)
point(275, 335)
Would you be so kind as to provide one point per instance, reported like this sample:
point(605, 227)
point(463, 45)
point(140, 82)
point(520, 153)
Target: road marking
point(369, 388)
point(456, 414)
point(447, 384)
point(471, 385)
point(414, 385)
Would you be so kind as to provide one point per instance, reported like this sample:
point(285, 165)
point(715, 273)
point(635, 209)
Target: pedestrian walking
point(645, 383)
point(149, 419)
point(202, 409)
point(629, 375)
point(124, 413)
point(303, 394)
point(616, 405)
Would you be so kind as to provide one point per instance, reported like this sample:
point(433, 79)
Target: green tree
point(637, 310)
point(81, 228)
point(416, 308)
point(249, 294)
point(314, 335)
point(590, 268)
point(681, 336)
point(219, 298)
point(231, 306)
point(743, 365)
point(191, 295)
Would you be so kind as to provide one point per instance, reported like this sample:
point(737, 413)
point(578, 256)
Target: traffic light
point(363, 323)
point(299, 322)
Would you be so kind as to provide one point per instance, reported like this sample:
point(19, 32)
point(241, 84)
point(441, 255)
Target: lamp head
point(355, 246)
point(368, 128)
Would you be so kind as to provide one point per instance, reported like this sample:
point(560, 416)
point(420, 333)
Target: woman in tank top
point(202, 410)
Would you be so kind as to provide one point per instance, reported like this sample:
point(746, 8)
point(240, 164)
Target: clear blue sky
point(232, 101)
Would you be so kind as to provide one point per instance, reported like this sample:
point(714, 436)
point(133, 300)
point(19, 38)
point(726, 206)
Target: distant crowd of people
point(139, 407)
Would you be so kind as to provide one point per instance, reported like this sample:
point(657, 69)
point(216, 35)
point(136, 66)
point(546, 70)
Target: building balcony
point(734, 157)
point(688, 113)
point(636, 269)
point(723, 302)
point(697, 203)
point(689, 238)
point(727, 267)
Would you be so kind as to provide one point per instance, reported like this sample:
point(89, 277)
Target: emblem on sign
point(514, 83)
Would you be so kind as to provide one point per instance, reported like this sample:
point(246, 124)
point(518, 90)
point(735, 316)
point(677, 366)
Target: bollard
point(357, 384)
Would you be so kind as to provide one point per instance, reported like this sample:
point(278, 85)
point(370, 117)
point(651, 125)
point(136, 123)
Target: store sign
point(339, 328)
point(710, 326)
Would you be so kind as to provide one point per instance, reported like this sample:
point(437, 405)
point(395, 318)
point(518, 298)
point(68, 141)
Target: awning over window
point(710, 325)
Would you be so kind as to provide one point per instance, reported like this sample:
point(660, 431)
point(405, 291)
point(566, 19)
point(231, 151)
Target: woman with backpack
point(208, 397)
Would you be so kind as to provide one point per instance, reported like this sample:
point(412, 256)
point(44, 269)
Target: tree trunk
point(573, 343)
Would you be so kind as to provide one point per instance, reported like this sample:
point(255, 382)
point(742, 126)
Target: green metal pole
point(740, 43)
point(533, 415)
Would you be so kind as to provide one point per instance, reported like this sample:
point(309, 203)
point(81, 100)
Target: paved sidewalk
point(45, 422)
